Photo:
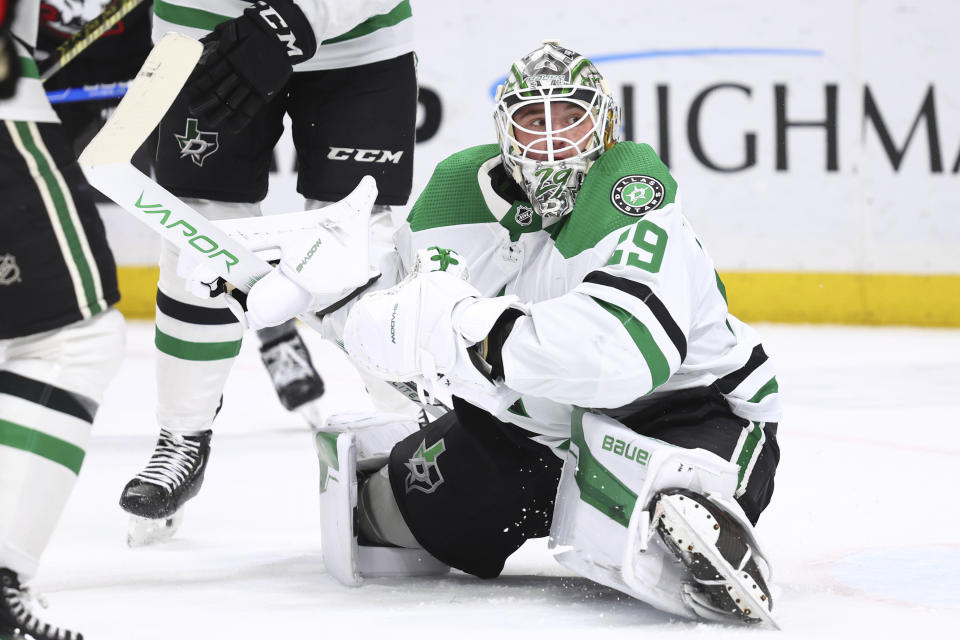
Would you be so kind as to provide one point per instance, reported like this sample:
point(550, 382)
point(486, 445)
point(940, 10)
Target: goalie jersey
point(626, 305)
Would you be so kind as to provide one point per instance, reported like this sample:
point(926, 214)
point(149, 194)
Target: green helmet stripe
point(577, 68)
point(518, 74)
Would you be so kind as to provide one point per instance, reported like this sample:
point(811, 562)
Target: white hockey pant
point(601, 525)
point(51, 384)
point(197, 340)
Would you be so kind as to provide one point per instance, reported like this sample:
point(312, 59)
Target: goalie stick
point(91, 31)
point(106, 163)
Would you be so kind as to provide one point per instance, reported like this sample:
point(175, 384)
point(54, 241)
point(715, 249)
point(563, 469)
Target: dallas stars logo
point(198, 145)
point(636, 195)
point(424, 473)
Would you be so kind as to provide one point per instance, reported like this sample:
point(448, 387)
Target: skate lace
point(172, 462)
point(287, 362)
point(17, 600)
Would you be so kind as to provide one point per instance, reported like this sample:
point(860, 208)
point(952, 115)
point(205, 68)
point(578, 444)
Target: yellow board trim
point(844, 298)
point(138, 291)
point(754, 296)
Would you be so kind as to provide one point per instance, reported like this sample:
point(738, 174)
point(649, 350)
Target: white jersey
point(349, 32)
point(625, 302)
point(30, 103)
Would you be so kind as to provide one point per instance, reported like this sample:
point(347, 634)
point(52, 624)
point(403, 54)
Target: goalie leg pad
point(341, 455)
point(601, 525)
point(338, 500)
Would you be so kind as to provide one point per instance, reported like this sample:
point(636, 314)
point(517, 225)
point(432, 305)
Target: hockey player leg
point(51, 384)
point(197, 343)
point(619, 489)
point(350, 460)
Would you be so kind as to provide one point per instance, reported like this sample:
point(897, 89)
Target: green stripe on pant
point(46, 446)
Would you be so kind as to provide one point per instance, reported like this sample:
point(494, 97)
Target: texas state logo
point(636, 195)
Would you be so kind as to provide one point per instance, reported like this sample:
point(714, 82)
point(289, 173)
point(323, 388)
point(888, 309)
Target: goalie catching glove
point(247, 60)
point(437, 330)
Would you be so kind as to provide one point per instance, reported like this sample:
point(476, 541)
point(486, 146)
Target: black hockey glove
point(247, 60)
point(9, 60)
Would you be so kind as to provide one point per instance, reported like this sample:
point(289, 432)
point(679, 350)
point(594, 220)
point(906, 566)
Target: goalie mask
point(554, 118)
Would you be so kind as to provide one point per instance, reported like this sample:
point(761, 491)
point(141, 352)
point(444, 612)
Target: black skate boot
point(288, 362)
point(156, 495)
point(17, 622)
point(729, 573)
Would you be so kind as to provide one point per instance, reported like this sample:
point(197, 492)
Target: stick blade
point(152, 92)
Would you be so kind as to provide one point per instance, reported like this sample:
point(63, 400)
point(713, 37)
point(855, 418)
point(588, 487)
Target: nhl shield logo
point(424, 473)
point(524, 215)
point(197, 145)
point(636, 195)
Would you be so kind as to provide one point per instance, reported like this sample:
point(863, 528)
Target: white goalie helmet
point(572, 118)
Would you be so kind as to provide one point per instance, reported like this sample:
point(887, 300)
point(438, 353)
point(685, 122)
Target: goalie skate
point(729, 581)
point(155, 497)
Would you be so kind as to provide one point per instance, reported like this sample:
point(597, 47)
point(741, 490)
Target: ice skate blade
point(312, 411)
point(695, 532)
point(146, 531)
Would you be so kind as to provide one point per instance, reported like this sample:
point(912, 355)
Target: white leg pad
point(338, 500)
point(340, 455)
point(601, 528)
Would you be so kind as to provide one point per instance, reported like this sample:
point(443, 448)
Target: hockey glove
point(246, 61)
point(427, 329)
point(9, 60)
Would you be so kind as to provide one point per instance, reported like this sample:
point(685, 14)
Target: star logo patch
point(636, 195)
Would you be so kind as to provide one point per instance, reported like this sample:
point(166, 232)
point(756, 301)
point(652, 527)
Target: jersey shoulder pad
point(453, 195)
point(624, 184)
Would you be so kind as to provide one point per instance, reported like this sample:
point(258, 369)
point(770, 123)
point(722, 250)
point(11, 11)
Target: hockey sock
point(197, 339)
point(50, 387)
point(197, 342)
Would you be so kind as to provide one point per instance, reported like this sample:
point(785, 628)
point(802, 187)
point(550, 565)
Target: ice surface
point(864, 528)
